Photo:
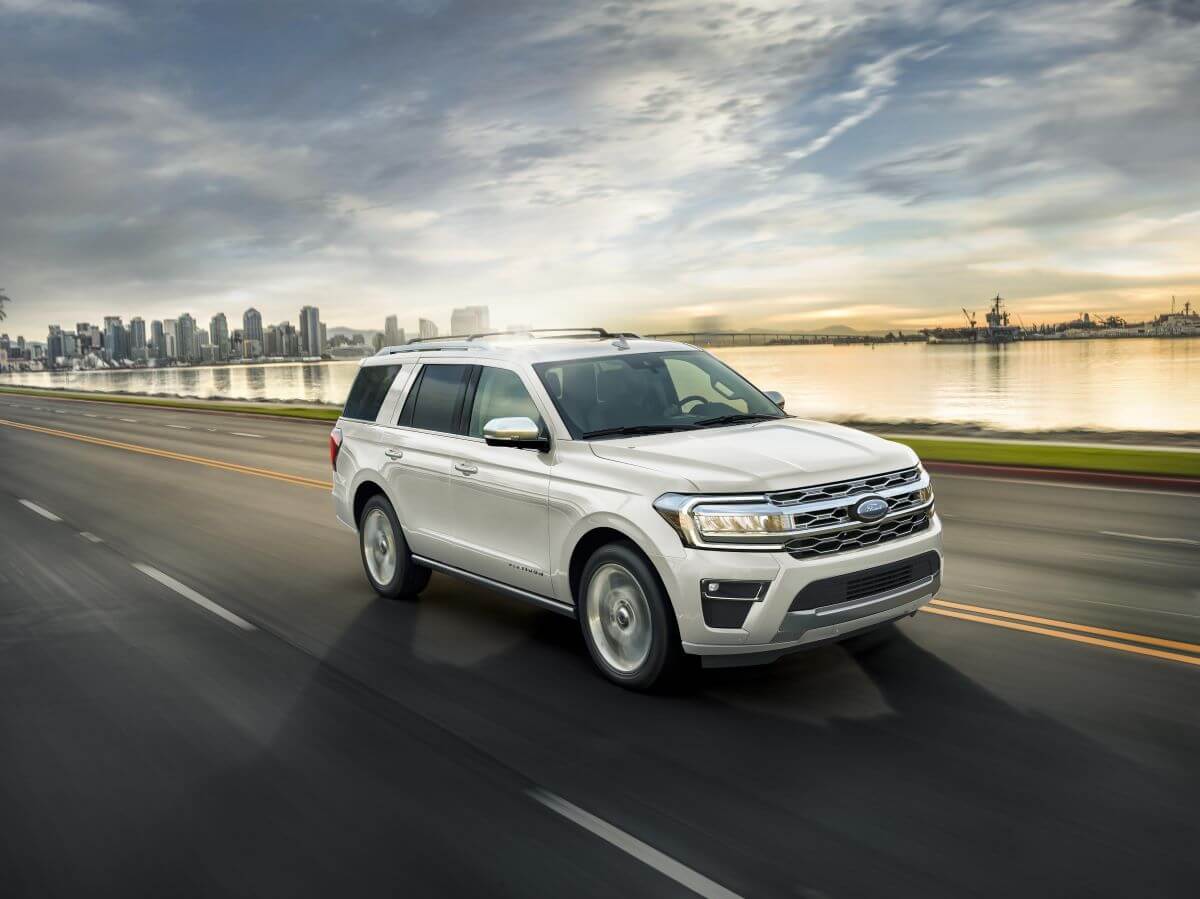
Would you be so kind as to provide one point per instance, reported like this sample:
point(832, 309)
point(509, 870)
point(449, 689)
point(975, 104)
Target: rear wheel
point(386, 558)
point(627, 622)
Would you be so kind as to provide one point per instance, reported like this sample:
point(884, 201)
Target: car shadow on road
point(855, 769)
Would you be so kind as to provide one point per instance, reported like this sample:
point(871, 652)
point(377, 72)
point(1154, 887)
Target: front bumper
point(773, 626)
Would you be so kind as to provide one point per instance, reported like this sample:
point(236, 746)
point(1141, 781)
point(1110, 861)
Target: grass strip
point(1041, 455)
point(272, 409)
point(979, 452)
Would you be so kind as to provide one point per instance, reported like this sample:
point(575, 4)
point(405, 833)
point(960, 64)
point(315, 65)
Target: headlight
point(739, 524)
point(748, 523)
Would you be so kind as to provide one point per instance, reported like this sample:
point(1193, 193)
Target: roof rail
point(567, 333)
point(410, 348)
point(464, 341)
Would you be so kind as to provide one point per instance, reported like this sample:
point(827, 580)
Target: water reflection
point(1120, 384)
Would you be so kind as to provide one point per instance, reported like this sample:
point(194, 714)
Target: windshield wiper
point(635, 430)
point(739, 418)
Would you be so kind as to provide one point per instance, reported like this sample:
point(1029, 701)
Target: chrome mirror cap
point(519, 431)
point(775, 397)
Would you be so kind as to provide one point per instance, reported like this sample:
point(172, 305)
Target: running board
point(545, 602)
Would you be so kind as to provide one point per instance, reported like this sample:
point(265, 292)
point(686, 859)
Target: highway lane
point(152, 748)
point(953, 758)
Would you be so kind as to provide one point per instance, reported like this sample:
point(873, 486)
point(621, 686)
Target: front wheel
point(627, 622)
point(386, 558)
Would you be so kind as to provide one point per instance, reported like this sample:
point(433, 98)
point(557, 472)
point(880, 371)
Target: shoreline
point(1169, 459)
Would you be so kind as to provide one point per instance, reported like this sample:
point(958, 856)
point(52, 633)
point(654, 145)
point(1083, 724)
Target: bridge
point(769, 338)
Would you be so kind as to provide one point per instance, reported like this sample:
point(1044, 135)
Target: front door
point(501, 494)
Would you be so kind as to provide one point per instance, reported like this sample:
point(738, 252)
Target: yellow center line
point(1062, 635)
point(178, 457)
point(996, 617)
point(1084, 628)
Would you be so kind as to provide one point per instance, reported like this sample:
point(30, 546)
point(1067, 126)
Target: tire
point(627, 621)
point(386, 558)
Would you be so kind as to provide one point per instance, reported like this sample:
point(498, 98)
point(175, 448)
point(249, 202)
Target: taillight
point(335, 446)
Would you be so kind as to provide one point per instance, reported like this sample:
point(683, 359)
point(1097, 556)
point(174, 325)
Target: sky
point(640, 165)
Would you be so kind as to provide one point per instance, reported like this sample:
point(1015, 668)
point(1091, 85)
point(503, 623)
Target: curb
point(1106, 478)
point(170, 407)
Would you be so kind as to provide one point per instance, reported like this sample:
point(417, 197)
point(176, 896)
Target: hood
point(765, 456)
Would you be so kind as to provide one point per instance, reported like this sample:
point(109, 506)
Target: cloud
point(81, 10)
point(616, 162)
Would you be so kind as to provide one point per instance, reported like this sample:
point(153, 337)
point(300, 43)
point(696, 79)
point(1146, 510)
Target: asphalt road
point(302, 737)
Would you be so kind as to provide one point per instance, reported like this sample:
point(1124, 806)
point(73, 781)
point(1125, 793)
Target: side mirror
point(520, 432)
point(775, 397)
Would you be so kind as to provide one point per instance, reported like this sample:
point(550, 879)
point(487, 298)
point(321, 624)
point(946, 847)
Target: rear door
point(365, 437)
point(422, 446)
point(501, 494)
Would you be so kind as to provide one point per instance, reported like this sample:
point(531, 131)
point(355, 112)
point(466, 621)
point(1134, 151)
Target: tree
point(3, 299)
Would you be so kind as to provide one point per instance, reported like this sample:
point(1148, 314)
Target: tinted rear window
point(370, 387)
point(436, 402)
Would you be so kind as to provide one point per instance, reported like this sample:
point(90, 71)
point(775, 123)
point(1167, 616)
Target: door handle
point(393, 453)
point(466, 467)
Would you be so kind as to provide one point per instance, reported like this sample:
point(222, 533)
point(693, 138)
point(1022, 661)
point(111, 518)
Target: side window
point(435, 402)
point(369, 390)
point(691, 380)
point(500, 394)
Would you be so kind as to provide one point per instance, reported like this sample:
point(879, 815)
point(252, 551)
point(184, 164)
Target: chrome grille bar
point(846, 489)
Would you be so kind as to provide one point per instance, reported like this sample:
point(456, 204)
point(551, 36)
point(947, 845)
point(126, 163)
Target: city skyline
point(784, 165)
point(182, 340)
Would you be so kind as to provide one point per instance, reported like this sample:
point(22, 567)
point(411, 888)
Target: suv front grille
point(842, 489)
point(860, 537)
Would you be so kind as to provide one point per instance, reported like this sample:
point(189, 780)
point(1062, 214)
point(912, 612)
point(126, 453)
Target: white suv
point(640, 486)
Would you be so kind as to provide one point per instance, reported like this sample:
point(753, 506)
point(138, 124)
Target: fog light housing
point(726, 603)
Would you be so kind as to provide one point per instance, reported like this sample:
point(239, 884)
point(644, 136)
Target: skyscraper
point(114, 338)
point(187, 347)
point(426, 328)
point(137, 339)
point(54, 343)
point(470, 320)
point(310, 331)
point(289, 340)
point(218, 331)
point(170, 338)
point(393, 335)
point(158, 343)
point(252, 333)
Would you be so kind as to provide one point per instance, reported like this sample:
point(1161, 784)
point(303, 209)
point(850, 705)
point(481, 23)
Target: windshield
point(649, 393)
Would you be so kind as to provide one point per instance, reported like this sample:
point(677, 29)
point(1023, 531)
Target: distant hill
point(838, 329)
point(828, 329)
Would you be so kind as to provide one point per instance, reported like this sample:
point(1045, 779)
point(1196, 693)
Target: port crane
point(970, 316)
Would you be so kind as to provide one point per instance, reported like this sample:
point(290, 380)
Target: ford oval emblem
point(870, 508)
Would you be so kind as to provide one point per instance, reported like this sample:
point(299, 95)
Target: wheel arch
point(600, 535)
point(366, 489)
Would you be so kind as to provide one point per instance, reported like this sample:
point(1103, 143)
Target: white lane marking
point(643, 852)
point(179, 427)
point(34, 507)
point(240, 434)
point(61, 411)
point(90, 537)
point(941, 475)
point(188, 593)
point(89, 415)
point(211, 430)
point(1150, 447)
point(131, 421)
point(1182, 540)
